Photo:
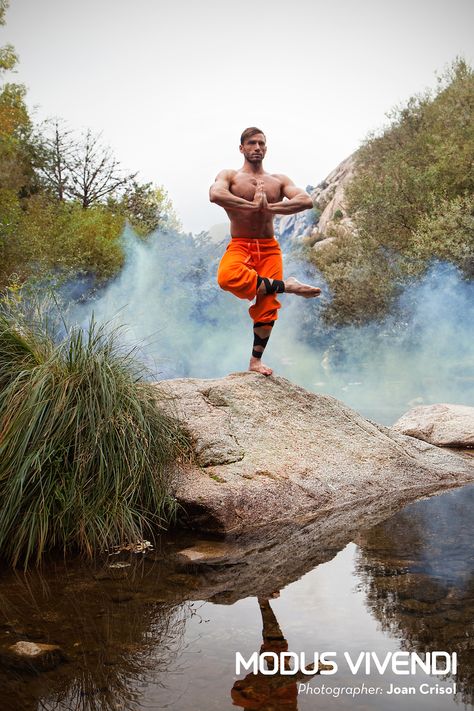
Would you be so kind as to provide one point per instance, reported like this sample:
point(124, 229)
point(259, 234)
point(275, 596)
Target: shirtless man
point(252, 267)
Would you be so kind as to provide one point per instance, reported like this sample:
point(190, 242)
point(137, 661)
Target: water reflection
point(133, 638)
point(417, 571)
point(270, 693)
point(122, 625)
point(113, 631)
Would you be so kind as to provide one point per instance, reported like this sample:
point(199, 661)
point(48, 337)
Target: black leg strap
point(263, 323)
point(258, 340)
point(275, 286)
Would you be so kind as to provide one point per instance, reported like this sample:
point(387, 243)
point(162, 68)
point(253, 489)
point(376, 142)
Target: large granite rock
point(329, 198)
point(268, 451)
point(330, 202)
point(442, 424)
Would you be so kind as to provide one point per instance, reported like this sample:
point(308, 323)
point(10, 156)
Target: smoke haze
point(168, 298)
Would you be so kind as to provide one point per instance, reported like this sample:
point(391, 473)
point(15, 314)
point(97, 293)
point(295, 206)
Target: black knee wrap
point(276, 286)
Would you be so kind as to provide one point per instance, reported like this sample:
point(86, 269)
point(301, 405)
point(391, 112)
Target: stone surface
point(267, 451)
point(32, 656)
point(329, 197)
point(442, 424)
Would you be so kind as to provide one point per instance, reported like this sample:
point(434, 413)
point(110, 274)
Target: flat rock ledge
point(268, 451)
point(442, 424)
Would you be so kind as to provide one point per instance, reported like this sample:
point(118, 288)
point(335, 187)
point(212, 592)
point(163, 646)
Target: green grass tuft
point(85, 448)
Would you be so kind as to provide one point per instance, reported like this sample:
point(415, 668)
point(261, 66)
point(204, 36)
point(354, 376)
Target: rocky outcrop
point(330, 217)
point(329, 198)
point(267, 451)
point(442, 424)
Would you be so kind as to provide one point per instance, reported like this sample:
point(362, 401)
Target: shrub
point(410, 200)
point(448, 231)
point(85, 449)
point(359, 276)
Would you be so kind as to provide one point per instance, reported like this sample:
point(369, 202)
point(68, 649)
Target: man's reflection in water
point(269, 693)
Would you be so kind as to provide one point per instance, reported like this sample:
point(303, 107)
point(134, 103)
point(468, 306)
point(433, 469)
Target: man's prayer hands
point(260, 198)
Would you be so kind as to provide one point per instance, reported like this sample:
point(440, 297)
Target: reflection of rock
point(442, 424)
point(268, 450)
point(210, 552)
point(32, 656)
point(252, 565)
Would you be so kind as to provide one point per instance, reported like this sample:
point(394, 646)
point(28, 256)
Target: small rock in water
point(119, 564)
point(206, 552)
point(32, 656)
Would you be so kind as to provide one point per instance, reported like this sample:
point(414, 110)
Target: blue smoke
point(168, 298)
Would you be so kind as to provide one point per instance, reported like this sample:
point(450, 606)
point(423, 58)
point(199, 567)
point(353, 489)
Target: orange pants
point(244, 260)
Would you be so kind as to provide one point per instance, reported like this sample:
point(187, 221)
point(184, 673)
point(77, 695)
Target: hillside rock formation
point(269, 451)
point(329, 218)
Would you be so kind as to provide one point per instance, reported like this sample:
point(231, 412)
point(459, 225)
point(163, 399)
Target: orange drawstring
point(249, 247)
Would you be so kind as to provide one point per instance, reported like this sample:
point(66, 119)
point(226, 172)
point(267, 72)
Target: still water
point(156, 632)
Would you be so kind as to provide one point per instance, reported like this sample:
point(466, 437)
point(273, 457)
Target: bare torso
point(253, 224)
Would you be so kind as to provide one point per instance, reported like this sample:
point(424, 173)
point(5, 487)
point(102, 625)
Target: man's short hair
point(251, 131)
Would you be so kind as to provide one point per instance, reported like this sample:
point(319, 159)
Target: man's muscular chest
point(244, 185)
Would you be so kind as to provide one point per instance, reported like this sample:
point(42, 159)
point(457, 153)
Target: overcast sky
point(172, 85)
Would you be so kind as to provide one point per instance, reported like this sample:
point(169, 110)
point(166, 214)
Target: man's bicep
point(222, 180)
point(289, 189)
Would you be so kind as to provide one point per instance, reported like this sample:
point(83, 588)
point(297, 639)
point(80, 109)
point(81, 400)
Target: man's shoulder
point(283, 179)
point(226, 173)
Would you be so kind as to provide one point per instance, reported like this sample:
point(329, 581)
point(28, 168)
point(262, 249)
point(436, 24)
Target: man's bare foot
point(257, 366)
point(293, 286)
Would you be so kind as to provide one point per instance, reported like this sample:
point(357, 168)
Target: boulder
point(268, 451)
point(442, 424)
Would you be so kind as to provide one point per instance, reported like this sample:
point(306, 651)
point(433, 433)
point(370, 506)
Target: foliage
point(64, 200)
point(147, 208)
point(38, 236)
point(85, 447)
point(3, 8)
point(448, 231)
point(8, 58)
point(357, 272)
point(415, 176)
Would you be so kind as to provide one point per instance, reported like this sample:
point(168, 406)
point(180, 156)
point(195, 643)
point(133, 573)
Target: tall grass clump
point(85, 448)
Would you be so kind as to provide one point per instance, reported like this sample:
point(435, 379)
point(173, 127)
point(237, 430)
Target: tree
point(16, 170)
point(148, 208)
point(81, 168)
point(93, 171)
point(56, 154)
